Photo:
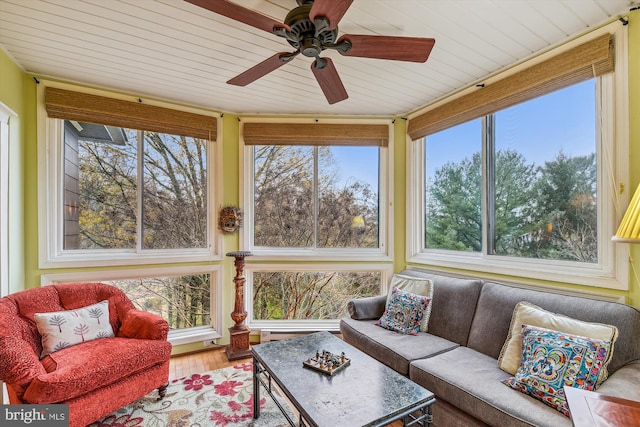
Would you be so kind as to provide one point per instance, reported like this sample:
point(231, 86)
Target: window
point(105, 194)
point(180, 295)
point(317, 196)
point(316, 199)
point(521, 179)
point(127, 183)
point(308, 297)
point(308, 197)
point(540, 175)
point(183, 301)
point(453, 188)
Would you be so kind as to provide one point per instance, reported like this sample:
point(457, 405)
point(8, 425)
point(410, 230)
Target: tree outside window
point(136, 190)
point(314, 198)
point(541, 180)
point(309, 295)
point(309, 197)
point(110, 204)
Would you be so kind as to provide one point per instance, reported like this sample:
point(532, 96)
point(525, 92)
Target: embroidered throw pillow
point(404, 312)
point(526, 313)
point(62, 329)
point(416, 285)
point(552, 360)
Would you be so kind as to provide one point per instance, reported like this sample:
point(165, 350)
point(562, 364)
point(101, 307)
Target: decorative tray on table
point(327, 362)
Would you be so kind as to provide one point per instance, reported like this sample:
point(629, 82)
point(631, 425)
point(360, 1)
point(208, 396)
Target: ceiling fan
point(311, 28)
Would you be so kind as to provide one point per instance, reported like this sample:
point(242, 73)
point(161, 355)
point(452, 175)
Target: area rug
point(223, 397)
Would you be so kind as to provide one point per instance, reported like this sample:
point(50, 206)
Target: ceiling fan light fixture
point(311, 47)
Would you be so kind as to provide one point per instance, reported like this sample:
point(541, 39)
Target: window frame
point(290, 325)
point(50, 199)
point(384, 252)
point(7, 116)
point(176, 336)
point(611, 271)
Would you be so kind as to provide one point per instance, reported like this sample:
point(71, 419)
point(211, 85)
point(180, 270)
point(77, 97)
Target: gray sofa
point(457, 358)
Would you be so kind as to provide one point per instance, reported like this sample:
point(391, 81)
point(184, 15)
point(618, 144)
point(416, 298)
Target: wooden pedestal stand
point(239, 345)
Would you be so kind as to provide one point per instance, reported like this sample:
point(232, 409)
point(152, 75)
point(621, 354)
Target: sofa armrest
point(623, 382)
point(143, 325)
point(19, 365)
point(367, 308)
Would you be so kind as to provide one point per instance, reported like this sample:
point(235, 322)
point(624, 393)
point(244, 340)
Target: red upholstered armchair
point(94, 377)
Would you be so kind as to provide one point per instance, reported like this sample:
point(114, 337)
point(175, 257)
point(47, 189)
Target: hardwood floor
point(208, 360)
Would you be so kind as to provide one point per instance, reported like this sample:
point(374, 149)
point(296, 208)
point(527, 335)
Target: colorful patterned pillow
point(416, 285)
point(61, 329)
point(552, 360)
point(404, 312)
point(526, 313)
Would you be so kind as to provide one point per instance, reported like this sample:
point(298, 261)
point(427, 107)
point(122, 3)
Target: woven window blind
point(590, 59)
point(316, 134)
point(70, 105)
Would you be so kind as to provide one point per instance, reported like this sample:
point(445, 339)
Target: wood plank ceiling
point(172, 50)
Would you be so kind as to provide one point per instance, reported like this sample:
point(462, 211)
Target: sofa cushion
point(78, 370)
point(453, 305)
point(552, 360)
point(404, 312)
point(393, 349)
point(60, 329)
point(416, 285)
point(471, 381)
point(497, 302)
point(530, 314)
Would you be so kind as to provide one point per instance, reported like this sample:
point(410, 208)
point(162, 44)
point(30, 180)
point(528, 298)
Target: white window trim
point(176, 337)
point(6, 115)
point(386, 271)
point(385, 193)
point(50, 198)
point(612, 270)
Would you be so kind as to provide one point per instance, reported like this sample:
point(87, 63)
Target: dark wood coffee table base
point(366, 393)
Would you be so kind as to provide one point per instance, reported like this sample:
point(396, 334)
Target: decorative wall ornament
point(230, 219)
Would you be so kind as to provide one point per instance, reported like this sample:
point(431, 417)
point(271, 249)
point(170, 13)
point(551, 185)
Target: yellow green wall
point(13, 91)
point(18, 92)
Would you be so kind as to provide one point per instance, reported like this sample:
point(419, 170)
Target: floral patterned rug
point(216, 398)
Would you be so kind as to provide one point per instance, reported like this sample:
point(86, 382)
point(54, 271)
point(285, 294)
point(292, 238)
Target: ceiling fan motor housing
point(303, 35)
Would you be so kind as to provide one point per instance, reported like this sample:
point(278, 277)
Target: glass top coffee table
point(363, 393)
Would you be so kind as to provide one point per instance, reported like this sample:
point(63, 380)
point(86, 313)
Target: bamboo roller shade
point(315, 134)
point(580, 63)
point(70, 105)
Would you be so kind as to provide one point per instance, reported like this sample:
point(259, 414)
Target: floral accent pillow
point(61, 329)
point(552, 360)
point(404, 312)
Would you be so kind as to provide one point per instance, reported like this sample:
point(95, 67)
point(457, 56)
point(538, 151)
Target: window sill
point(120, 258)
point(191, 335)
point(553, 271)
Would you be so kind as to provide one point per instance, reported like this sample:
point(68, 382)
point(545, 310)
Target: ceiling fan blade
point(413, 49)
point(329, 80)
point(262, 69)
point(333, 10)
point(239, 13)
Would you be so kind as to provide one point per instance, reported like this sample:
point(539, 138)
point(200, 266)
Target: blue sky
point(538, 129)
point(358, 162)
